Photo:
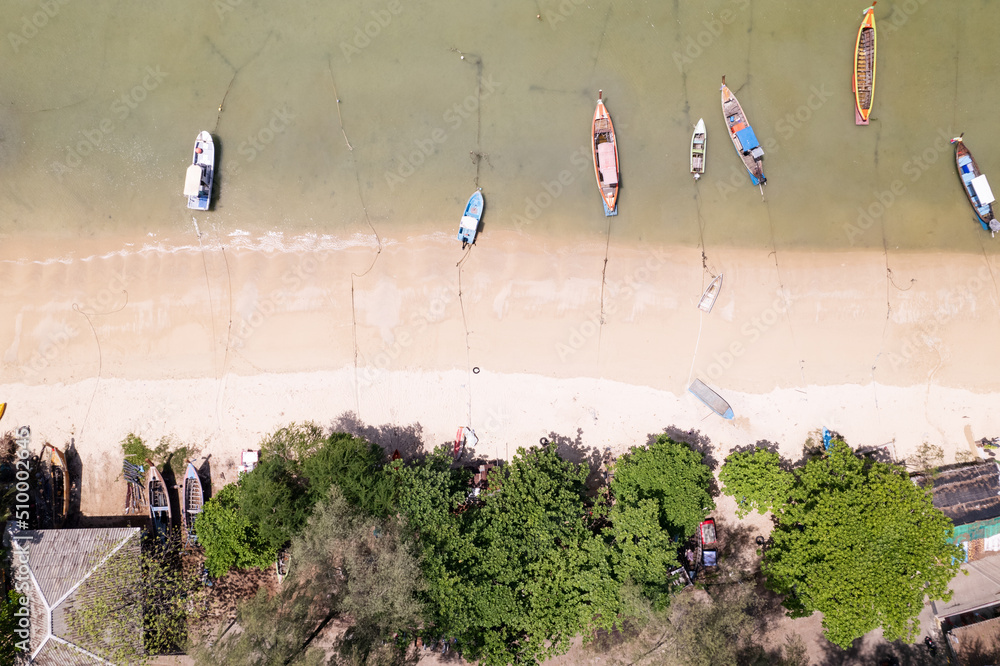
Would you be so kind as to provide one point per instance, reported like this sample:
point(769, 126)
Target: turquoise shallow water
point(100, 103)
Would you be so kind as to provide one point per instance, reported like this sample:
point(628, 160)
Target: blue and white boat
point(977, 188)
point(713, 400)
point(470, 219)
point(201, 173)
point(744, 140)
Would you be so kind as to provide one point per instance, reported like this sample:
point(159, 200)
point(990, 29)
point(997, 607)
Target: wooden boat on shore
point(714, 401)
point(698, 149)
point(605, 156)
point(744, 140)
point(710, 294)
point(55, 475)
point(192, 499)
point(60, 487)
point(470, 219)
point(201, 173)
point(864, 67)
point(977, 188)
point(159, 503)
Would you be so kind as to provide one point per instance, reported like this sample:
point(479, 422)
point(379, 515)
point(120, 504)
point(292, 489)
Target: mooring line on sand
point(229, 337)
point(604, 282)
point(477, 157)
point(697, 343)
point(378, 251)
point(465, 324)
point(100, 354)
point(781, 286)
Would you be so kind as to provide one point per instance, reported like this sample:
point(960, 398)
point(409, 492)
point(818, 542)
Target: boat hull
point(469, 226)
point(968, 171)
point(865, 51)
point(159, 503)
point(60, 488)
point(711, 294)
point(713, 400)
point(698, 149)
point(744, 140)
point(605, 157)
point(192, 500)
point(206, 160)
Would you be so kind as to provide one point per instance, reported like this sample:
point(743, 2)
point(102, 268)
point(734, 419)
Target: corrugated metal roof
point(60, 559)
point(968, 494)
point(59, 654)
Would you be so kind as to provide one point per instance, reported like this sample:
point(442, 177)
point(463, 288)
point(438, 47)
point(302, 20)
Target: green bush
point(229, 538)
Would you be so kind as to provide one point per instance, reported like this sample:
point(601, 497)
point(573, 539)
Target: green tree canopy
point(275, 499)
point(661, 494)
point(755, 479)
point(298, 466)
point(355, 466)
point(8, 627)
point(671, 475)
point(229, 539)
point(345, 565)
point(858, 541)
point(727, 626)
point(516, 573)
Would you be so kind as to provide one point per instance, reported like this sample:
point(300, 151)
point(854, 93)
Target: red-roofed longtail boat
point(605, 157)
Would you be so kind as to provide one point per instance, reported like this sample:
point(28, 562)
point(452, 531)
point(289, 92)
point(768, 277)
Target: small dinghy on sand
point(710, 294)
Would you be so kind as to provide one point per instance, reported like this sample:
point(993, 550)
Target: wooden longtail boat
point(710, 294)
point(605, 156)
point(744, 140)
point(54, 477)
point(470, 219)
point(201, 173)
point(976, 187)
point(864, 67)
point(192, 499)
point(159, 503)
point(698, 149)
point(60, 487)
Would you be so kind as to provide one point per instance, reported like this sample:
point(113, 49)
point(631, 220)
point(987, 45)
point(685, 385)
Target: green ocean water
point(100, 103)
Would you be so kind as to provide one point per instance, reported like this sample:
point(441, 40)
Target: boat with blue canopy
point(744, 140)
point(977, 188)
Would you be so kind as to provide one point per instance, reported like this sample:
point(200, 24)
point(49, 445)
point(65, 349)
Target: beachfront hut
point(970, 496)
point(58, 562)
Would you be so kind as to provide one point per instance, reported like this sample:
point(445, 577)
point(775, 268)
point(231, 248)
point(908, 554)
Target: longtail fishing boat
point(864, 67)
point(192, 498)
point(159, 503)
point(605, 156)
point(744, 140)
point(201, 173)
point(469, 225)
point(976, 187)
point(698, 149)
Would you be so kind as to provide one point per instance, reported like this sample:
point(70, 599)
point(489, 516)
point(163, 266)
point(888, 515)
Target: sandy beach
point(217, 340)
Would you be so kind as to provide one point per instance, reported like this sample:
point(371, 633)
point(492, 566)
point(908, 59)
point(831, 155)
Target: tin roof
point(967, 494)
point(59, 561)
